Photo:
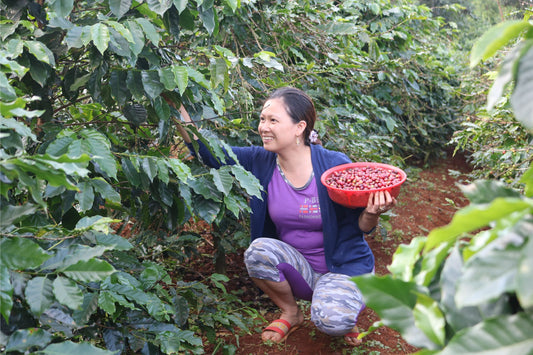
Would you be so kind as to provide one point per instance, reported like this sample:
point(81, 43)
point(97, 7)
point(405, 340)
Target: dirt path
point(428, 199)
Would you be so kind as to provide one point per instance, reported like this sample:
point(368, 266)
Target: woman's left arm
point(378, 203)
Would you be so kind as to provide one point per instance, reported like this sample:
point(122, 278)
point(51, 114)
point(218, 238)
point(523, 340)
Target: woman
point(303, 245)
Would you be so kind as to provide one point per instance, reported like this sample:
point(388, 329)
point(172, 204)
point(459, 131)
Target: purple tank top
point(296, 214)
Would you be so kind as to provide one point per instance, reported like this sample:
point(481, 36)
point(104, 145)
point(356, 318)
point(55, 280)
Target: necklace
point(287, 180)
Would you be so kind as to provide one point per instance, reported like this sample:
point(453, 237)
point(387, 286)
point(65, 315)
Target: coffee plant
point(89, 147)
point(466, 287)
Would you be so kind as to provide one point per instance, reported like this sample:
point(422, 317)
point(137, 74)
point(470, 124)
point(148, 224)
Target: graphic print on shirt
point(310, 208)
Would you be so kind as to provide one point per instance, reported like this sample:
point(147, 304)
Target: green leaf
point(11, 214)
point(67, 293)
point(137, 34)
point(69, 348)
point(457, 318)
point(100, 36)
point(21, 253)
point(131, 173)
point(222, 179)
point(474, 217)
point(136, 114)
point(394, 300)
point(40, 71)
point(233, 4)
point(7, 93)
point(485, 191)
point(40, 51)
point(247, 181)
point(405, 257)
point(113, 241)
point(180, 5)
point(106, 301)
point(172, 341)
point(167, 78)
point(119, 91)
point(95, 223)
point(527, 180)
point(181, 77)
point(431, 264)
point(150, 168)
point(152, 84)
point(495, 38)
point(522, 96)
point(89, 306)
point(85, 195)
point(105, 190)
point(14, 47)
point(505, 75)
point(23, 340)
point(6, 292)
point(207, 15)
point(6, 110)
point(149, 30)
point(75, 36)
point(119, 7)
point(162, 171)
point(15, 67)
point(161, 108)
point(73, 254)
point(198, 77)
point(502, 335)
point(236, 204)
point(119, 43)
point(524, 286)
point(207, 209)
point(135, 85)
point(429, 318)
point(487, 275)
point(93, 270)
point(159, 6)
point(99, 146)
point(171, 21)
point(62, 8)
point(126, 285)
point(182, 170)
point(39, 294)
point(219, 73)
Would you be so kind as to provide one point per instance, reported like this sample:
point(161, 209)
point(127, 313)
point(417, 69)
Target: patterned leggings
point(335, 299)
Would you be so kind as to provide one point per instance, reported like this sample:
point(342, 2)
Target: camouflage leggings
point(335, 299)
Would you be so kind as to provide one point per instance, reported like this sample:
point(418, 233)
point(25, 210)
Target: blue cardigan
point(346, 249)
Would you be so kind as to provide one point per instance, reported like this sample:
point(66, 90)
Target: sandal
point(282, 327)
point(354, 335)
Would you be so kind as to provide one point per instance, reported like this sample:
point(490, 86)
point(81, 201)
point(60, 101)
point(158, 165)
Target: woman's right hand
point(380, 202)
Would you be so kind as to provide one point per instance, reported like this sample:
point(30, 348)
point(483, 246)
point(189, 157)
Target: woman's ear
point(301, 126)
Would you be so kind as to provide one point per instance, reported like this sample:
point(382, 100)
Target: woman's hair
point(300, 107)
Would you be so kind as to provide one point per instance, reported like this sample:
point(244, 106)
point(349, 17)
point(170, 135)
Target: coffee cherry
point(363, 178)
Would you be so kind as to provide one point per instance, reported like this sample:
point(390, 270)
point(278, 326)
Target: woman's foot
point(280, 330)
point(351, 338)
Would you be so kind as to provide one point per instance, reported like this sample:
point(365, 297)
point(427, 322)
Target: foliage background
point(89, 142)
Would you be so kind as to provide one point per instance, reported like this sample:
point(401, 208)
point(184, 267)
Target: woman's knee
point(257, 248)
point(261, 261)
point(336, 304)
point(331, 320)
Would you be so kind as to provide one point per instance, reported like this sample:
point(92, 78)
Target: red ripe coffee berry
point(363, 178)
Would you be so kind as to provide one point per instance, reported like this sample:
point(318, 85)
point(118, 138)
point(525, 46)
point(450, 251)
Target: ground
point(428, 200)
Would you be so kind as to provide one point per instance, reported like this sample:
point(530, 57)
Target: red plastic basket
point(359, 198)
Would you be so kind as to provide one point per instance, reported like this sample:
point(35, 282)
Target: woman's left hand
point(380, 202)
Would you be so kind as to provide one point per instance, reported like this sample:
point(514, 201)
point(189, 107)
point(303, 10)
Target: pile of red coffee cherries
point(363, 178)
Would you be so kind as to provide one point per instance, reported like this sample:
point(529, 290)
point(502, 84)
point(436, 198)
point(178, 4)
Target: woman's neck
point(296, 160)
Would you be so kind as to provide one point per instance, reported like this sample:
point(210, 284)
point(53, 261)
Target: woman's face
point(276, 128)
